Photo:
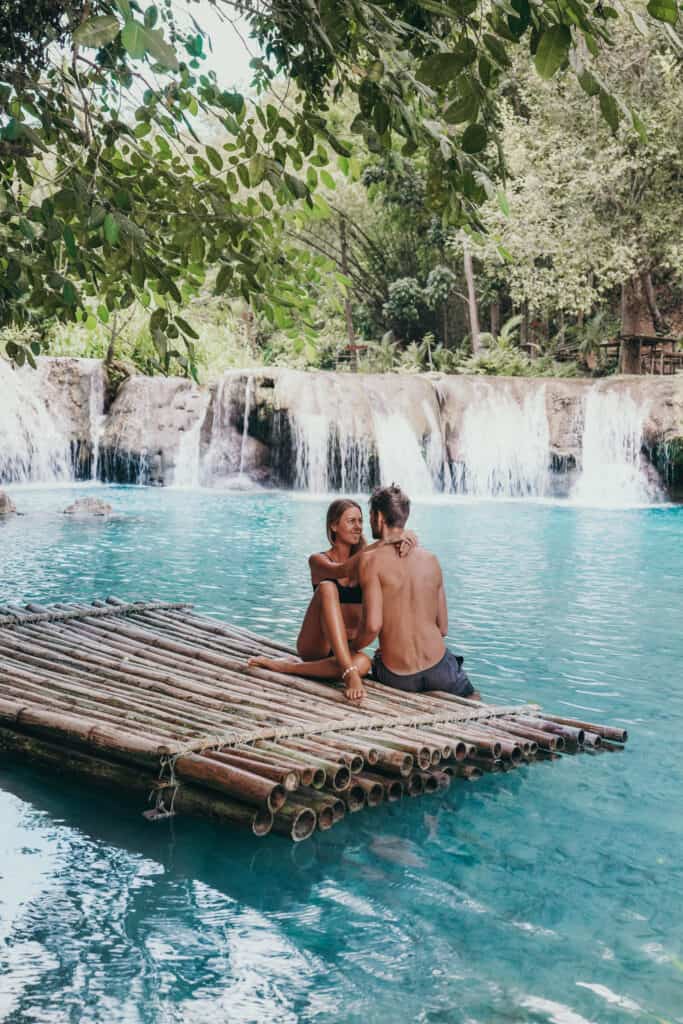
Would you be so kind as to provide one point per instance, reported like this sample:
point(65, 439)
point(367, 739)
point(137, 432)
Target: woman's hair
point(334, 514)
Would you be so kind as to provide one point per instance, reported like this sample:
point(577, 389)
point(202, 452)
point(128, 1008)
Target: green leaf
point(639, 126)
point(503, 203)
point(185, 328)
point(243, 175)
point(465, 107)
point(474, 138)
point(257, 168)
point(111, 229)
point(381, 116)
point(103, 314)
point(296, 186)
point(589, 83)
point(664, 10)
point(97, 32)
point(124, 7)
point(327, 179)
point(520, 21)
point(69, 294)
point(158, 48)
point(215, 157)
point(497, 49)
point(552, 50)
point(609, 109)
point(133, 39)
point(441, 68)
point(151, 16)
point(223, 280)
point(70, 241)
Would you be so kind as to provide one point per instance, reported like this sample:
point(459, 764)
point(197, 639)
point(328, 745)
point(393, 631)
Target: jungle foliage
point(113, 195)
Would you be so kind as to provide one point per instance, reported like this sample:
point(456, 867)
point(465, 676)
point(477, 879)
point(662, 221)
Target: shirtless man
point(404, 603)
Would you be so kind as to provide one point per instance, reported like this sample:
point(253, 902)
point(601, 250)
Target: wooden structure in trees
point(157, 700)
point(646, 354)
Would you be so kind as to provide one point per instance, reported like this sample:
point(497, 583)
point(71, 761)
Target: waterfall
point(245, 422)
point(34, 445)
point(503, 445)
point(400, 456)
point(96, 416)
point(612, 470)
point(186, 471)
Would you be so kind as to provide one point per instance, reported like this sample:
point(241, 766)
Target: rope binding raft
point(152, 696)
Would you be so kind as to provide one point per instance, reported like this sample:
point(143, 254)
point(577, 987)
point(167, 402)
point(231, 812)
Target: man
point(404, 603)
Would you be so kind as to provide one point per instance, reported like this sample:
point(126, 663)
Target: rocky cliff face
point(328, 431)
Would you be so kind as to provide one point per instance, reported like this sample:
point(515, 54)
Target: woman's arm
point(323, 568)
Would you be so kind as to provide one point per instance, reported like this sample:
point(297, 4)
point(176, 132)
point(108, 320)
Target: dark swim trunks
point(447, 675)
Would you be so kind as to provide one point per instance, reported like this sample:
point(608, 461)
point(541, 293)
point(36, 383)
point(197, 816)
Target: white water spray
point(503, 446)
point(612, 470)
point(34, 446)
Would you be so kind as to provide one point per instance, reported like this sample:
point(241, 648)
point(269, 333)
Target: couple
point(392, 589)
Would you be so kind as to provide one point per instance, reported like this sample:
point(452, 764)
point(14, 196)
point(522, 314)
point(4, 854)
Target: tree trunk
point(632, 314)
point(111, 348)
point(344, 247)
point(495, 318)
point(660, 324)
point(524, 327)
point(472, 301)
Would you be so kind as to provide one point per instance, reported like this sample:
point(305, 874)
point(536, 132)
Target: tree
point(588, 215)
point(108, 194)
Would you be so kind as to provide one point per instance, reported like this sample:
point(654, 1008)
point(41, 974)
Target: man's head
point(389, 507)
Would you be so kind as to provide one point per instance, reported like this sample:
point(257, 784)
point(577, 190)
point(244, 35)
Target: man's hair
point(393, 503)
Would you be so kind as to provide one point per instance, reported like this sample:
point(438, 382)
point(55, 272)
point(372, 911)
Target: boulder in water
point(89, 507)
point(7, 506)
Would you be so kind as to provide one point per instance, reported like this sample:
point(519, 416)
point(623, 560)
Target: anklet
point(352, 668)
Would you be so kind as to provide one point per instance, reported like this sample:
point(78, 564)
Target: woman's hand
point(405, 543)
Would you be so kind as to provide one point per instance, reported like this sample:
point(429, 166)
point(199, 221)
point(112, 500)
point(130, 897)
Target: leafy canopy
point(110, 195)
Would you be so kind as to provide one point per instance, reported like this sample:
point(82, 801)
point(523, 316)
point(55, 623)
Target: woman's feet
point(354, 691)
point(274, 664)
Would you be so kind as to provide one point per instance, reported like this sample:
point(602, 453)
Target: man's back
point(413, 607)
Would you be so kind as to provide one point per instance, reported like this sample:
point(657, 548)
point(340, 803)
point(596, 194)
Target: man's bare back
point(414, 617)
point(404, 603)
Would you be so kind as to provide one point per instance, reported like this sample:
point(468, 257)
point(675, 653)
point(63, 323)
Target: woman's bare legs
point(324, 629)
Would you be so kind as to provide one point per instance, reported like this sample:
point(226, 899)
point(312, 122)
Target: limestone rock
point(7, 506)
point(89, 507)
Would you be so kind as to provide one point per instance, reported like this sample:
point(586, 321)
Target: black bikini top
point(347, 595)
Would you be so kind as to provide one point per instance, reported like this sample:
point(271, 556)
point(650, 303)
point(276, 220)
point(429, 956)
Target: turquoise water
point(549, 894)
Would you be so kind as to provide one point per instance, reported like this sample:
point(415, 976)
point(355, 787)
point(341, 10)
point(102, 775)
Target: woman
point(333, 616)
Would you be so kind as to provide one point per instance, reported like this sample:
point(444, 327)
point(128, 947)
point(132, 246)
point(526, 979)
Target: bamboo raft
point(157, 700)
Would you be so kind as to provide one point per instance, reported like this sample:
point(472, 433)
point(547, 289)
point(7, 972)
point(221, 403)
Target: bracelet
point(351, 668)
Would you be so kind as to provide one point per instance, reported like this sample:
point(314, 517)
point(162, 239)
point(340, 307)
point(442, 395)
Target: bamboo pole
point(188, 799)
point(393, 787)
point(353, 798)
point(295, 820)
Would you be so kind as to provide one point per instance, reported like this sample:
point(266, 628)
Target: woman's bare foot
point(354, 691)
point(261, 661)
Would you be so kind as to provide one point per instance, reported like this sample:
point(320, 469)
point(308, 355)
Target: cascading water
point(612, 471)
point(245, 423)
point(311, 438)
point(34, 446)
point(400, 456)
point(503, 445)
point(187, 470)
point(96, 415)
point(321, 432)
